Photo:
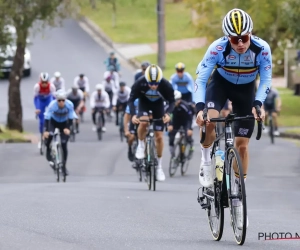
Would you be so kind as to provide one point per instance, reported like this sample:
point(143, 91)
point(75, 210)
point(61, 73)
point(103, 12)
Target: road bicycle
point(121, 124)
point(227, 188)
point(58, 156)
point(149, 163)
point(99, 122)
point(183, 156)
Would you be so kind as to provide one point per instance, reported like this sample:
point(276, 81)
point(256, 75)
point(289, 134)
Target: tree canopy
point(277, 22)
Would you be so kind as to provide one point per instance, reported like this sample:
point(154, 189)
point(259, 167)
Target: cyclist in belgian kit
point(239, 57)
point(152, 90)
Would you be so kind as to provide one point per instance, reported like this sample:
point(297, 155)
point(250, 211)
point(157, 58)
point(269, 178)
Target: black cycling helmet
point(122, 84)
point(145, 65)
point(81, 75)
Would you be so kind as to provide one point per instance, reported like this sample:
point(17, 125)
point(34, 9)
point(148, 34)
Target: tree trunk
point(14, 116)
point(161, 53)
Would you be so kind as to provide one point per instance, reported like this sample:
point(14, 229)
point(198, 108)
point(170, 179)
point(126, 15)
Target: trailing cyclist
point(141, 72)
point(111, 89)
point(111, 74)
point(43, 95)
point(75, 95)
point(181, 116)
point(120, 99)
point(113, 61)
point(58, 81)
point(239, 57)
point(60, 114)
point(83, 84)
point(183, 82)
point(152, 90)
point(272, 105)
point(99, 99)
point(130, 129)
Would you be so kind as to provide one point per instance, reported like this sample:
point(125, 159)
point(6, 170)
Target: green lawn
point(290, 112)
point(136, 20)
point(190, 58)
point(12, 135)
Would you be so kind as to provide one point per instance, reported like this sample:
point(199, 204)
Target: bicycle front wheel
point(215, 210)
point(237, 196)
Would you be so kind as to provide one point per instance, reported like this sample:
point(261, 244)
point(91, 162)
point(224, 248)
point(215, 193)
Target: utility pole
point(161, 53)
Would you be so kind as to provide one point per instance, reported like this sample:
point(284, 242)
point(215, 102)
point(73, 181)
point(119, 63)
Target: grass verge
point(290, 111)
point(190, 58)
point(136, 20)
point(13, 136)
point(295, 131)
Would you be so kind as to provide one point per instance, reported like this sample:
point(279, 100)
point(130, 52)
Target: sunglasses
point(179, 70)
point(237, 39)
point(44, 82)
point(61, 100)
point(153, 83)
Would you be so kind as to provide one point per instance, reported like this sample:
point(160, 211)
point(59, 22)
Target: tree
point(23, 14)
point(274, 21)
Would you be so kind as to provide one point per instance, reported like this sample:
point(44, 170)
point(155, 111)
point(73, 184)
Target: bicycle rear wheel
point(185, 159)
point(215, 210)
point(271, 131)
point(121, 128)
point(237, 196)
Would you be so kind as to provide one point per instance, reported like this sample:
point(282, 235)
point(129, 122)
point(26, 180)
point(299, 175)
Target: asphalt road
point(102, 205)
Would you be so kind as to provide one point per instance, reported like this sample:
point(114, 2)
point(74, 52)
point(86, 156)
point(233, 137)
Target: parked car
point(7, 56)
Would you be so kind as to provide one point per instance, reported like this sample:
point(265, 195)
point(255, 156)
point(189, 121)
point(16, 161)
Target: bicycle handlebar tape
point(203, 132)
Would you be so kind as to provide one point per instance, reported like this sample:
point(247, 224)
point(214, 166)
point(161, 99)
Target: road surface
point(102, 205)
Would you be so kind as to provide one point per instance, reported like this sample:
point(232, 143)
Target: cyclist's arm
point(134, 94)
point(107, 101)
point(191, 85)
point(204, 69)
point(63, 85)
point(36, 90)
point(93, 100)
point(126, 120)
point(173, 82)
point(265, 72)
point(169, 96)
point(114, 99)
point(87, 85)
point(81, 103)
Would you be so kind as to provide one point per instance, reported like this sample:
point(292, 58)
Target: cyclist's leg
point(103, 118)
point(144, 108)
point(94, 112)
point(242, 97)
point(64, 141)
point(52, 125)
point(216, 96)
point(130, 139)
point(275, 121)
point(158, 112)
point(171, 141)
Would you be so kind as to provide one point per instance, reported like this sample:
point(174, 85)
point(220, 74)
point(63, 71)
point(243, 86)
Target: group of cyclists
point(225, 81)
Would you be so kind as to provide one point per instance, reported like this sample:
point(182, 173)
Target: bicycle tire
point(217, 207)
point(232, 153)
point(173, 165)
point(185, 161)
point(271, 131)
point(60, 157)
point(153, 164)
point(148, 170)
point(99, 127)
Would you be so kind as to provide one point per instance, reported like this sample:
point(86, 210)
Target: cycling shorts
point(133, 128)
point(157, 109)
point(241, 95)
